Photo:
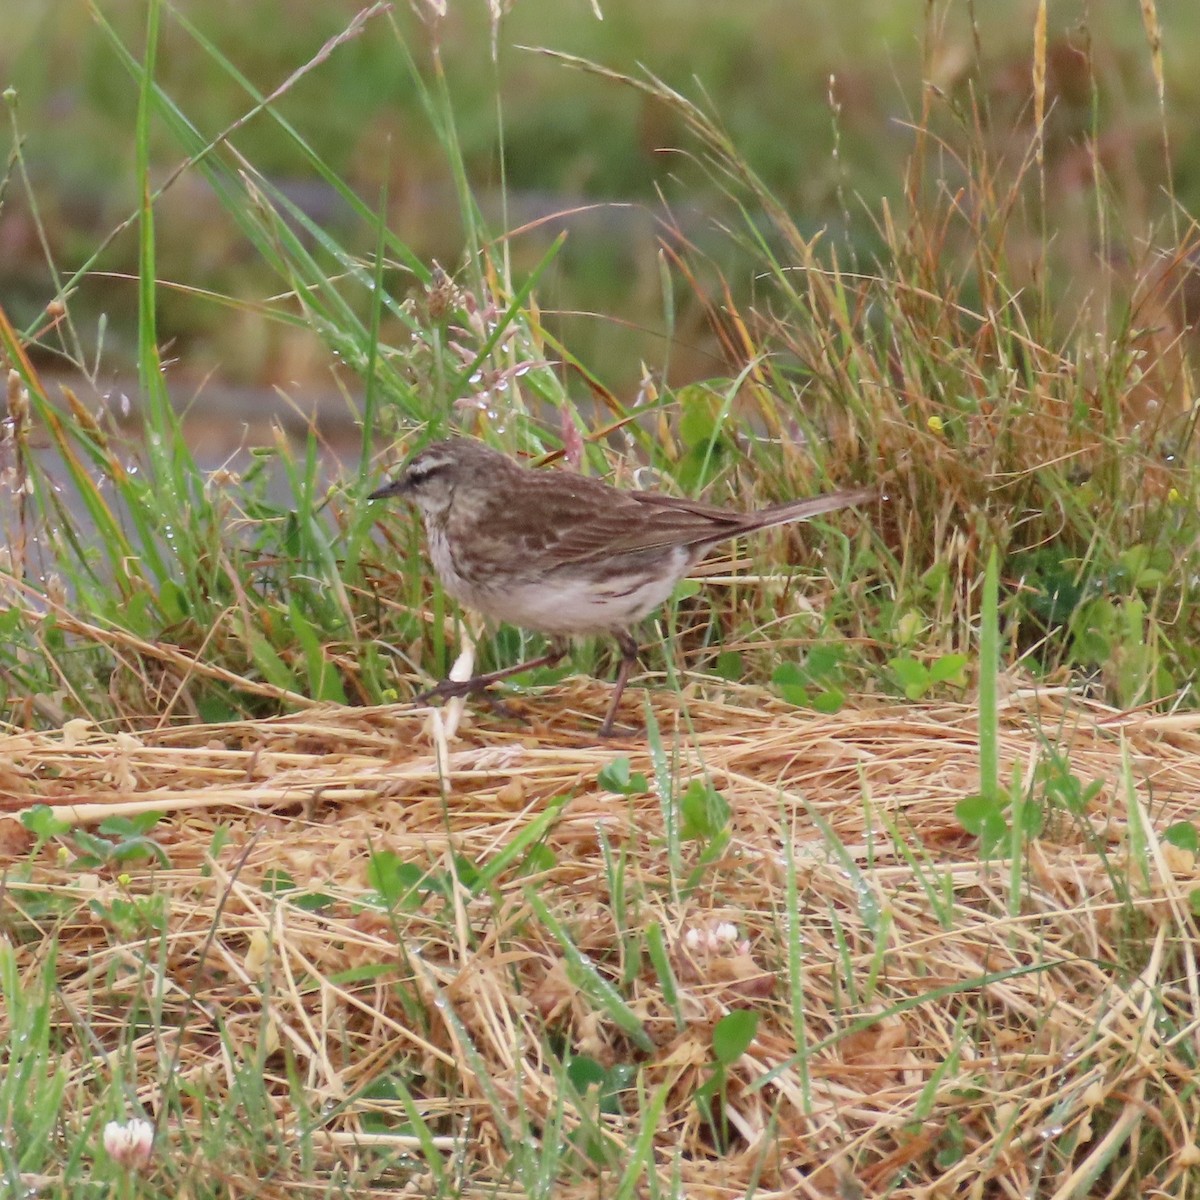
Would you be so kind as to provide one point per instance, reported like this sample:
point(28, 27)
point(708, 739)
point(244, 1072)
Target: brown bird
point(561, 553)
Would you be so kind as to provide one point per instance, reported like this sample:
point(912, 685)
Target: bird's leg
point(629, 656)
point(450, 688)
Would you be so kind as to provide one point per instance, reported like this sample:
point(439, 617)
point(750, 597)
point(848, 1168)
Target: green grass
point(1040, 411)
point(988, 345)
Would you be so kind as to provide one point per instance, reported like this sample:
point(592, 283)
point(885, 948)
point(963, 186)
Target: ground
point(419, 956)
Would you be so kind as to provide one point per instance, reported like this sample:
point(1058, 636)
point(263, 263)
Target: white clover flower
point(129, 1143)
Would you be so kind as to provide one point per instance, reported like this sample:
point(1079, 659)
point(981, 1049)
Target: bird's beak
point(396, 488)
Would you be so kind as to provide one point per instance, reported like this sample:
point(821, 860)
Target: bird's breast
point(561, 599)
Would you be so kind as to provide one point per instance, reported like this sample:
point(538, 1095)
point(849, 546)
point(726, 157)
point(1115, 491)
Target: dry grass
point(957, 1038)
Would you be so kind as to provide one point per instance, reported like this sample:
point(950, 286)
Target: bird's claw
point(450, 689)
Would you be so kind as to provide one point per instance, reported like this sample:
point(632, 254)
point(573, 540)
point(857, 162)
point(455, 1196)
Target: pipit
point(561, 553)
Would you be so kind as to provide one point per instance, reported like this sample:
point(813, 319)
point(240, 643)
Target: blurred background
point(819, 98)
point(944, 244)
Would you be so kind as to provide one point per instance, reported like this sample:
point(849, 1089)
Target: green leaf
point(704, 811)
point(616, 777)
point(133, 826)
point(707, 1091)
point(274, 670)
point(394, 880)
point(656, 949)
point(42, 823)
point(698, 409)
point(949, 668)
point(729, 666)
point(324, 682)
point(952, 1144)
point(985, 818)
point(1095, 630)
point(136, 848)
point(134, 615)
point(11, 620)
point(584, 1072)
point(912, 676)
point(733, 1034)
point(213, 709)
point(1033, 820)
point(172, 601)
point(366, 973)
point(1184, 835)
point(789, 679)
point(685, 589)
point(908, 627)
point(540, 858)
point(829, 702)
point(824, 662)
point(90, 844)
point(276, 880)
point(468, 873)
point(217, 843)
point(936, 577)
point(130, 915)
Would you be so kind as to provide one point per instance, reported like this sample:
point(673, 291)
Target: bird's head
point(429, 479)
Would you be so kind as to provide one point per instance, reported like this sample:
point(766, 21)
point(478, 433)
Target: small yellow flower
point(937, 426)
point(1173, 497)
point(124, 879)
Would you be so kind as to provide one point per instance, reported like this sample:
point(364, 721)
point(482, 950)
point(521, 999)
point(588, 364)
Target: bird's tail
point(803, 510)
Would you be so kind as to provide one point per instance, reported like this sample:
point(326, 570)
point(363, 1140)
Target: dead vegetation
point(927, 1024)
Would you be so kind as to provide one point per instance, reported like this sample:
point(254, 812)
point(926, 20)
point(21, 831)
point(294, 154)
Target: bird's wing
point(588, 520)
point(674, 521)
point(563, 524)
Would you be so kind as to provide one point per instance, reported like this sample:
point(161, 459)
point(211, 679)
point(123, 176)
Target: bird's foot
point(449, 689)
point(609, 728)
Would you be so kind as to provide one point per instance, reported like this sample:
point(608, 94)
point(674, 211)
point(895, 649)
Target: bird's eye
point(419, 473)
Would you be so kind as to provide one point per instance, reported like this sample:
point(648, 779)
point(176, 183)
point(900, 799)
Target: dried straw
point(947, 1027)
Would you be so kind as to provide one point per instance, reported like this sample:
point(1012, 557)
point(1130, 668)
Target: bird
point(564, 554)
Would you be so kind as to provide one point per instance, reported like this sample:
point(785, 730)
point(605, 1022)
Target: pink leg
point(629, 654)
point(449, 688)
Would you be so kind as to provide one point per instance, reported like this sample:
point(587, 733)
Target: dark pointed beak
point(396, 488)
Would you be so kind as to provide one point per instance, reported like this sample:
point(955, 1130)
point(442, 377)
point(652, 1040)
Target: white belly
point(564, 602)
